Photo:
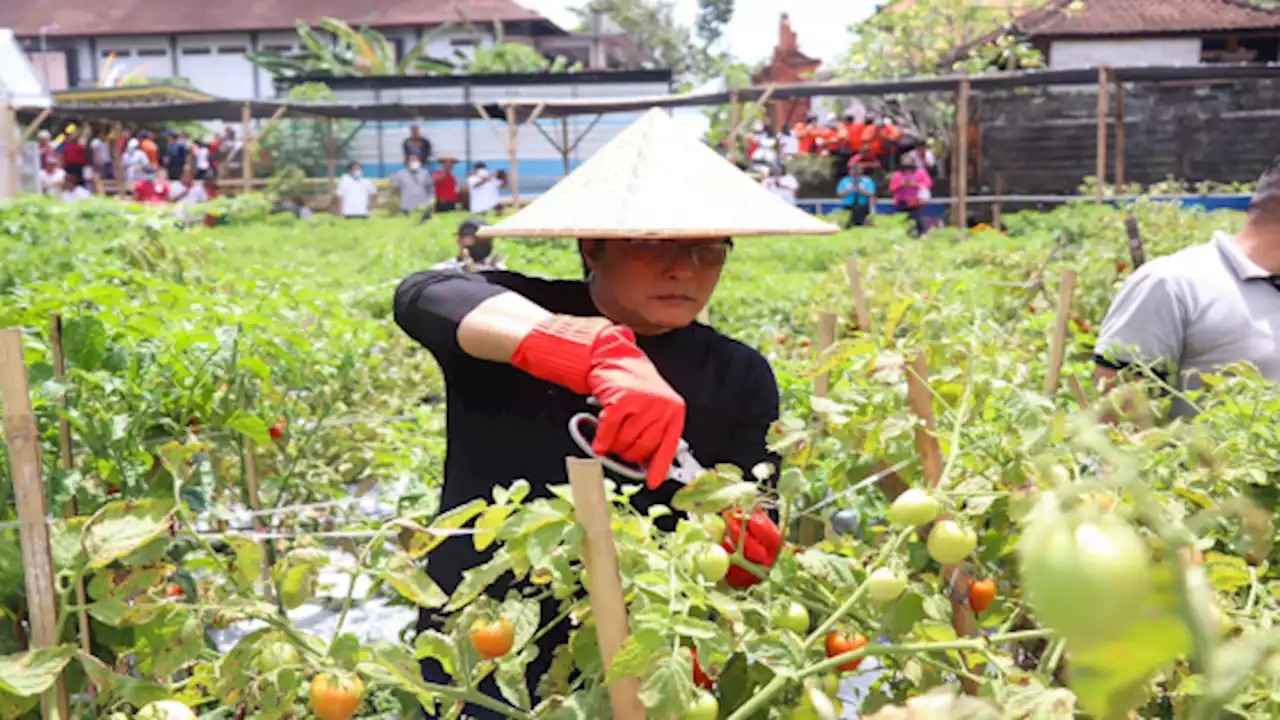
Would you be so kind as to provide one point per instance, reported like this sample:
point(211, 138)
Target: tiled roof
point(1146, 17)
point(147, 17)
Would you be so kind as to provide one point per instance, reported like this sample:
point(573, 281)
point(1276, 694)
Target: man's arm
point(1145, 323)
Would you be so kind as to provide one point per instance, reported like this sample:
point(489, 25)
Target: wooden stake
point(1078, 390)
point(246, 155)
point(1102, 131)
point(513, 142)
point(861, 312)
point(1119, 133)
point(826, 338)
point(996, 207)
point(23, 439)
point(921, 401)
point(331, 154)
point(9, 133)
point(1137, 252)
point(600, 557)
point(564, 143)
point(67, 461)
point(1065, 291)
point(962, 155)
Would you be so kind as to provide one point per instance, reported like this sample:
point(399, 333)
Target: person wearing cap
point(1202, 308)
point(474, 253)
point(653, 212)
point(446, 185)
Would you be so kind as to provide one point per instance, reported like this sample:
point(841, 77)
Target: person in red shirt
point(75, 156)
point(151, 189)
point(446, 185)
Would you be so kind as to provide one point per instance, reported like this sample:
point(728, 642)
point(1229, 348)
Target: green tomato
point(913, 508)
point(831, 685)
point(704, 707)
point(166, 710)
point(815, 705)
point(276, 655)
point(792, 616)
point(951, 543)
point(713, 563)
point(715, 526)
point(884, 585)
point(1087, 578)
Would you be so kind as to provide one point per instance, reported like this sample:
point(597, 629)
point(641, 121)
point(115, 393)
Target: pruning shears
point(683, 469)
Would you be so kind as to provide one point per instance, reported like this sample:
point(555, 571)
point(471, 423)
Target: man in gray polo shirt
point(1204, 307)
point(416, 187)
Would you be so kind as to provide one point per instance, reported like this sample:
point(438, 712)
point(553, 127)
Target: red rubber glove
point(763, 540)
point(642, 417)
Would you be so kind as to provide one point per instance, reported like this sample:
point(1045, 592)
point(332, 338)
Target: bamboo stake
point(23, 439)
point(996, 207)
point(246, 155)
point(1102, 131)
point(1058, 347)
point(1078, 390)
point(255, 502)
point(331, 154)
point(1137, 251)
point(513, 141)
point(861, 311)
point(826, 338)
point(600, 557)
point(1119, 134)
point(9, 132)
point(962, 155)
point(921, 401)
point(67, 461)
point(564, 143)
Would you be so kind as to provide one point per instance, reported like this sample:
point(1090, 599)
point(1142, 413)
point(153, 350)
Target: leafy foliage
point(336, 49)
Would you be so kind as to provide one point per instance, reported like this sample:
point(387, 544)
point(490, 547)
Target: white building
point(83, 43)
point(1127, 33)
point(19, 87)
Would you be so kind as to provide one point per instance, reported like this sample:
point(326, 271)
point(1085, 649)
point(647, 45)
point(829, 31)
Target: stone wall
point(1043, 141)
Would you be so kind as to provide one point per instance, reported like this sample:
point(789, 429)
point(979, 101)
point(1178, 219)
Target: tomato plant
point(981, 594)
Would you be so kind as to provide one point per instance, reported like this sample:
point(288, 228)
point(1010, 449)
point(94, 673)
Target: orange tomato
point(981, 593)
point(336, 697)
point(493, 639)
point(839, 644)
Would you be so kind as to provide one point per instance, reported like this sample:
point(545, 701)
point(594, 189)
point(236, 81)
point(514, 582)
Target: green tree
point(653, 24)
point(336, 49)
point(302, 144)
point(510, 57)
point(713, 17)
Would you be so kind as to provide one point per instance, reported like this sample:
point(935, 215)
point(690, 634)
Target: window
point(152, 52)
point(462, 43)
point(118, 53)
point(232, 50)
point(277, 48)
point(196, 51)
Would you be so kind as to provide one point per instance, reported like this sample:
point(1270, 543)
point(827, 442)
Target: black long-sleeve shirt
point(504, 424)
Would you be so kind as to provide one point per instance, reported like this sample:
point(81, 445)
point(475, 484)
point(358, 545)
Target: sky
point(822, 25)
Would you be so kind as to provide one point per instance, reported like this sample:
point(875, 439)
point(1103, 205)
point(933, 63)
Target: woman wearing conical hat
point(653, 212)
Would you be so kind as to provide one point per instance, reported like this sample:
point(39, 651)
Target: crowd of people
point(869, 158)
point(172, 167)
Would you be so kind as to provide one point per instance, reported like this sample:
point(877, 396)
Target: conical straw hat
point(654, 181)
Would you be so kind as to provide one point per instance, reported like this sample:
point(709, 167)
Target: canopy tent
point(19, 87)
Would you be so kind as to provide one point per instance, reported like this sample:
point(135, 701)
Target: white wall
point(216, 64)
point(1124, 53)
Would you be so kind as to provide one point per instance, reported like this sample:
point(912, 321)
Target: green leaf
point(437, 646)
point(782, 651)
point(669, 689)
point(902, 617)
point(424, 542)
point(635, 656)
point(249, 558)
point(393, 664)
point(1227, 573)
point(476, 580)
point(510, 677)
point(120, 528)
point(131, 690)
point(1237, 662)
point(251, 427)
point(296, 576)
point(713, 492)
point(410, 581)
point(256, 366)
point(489, 523)
point(33, 672)
point(693, 627)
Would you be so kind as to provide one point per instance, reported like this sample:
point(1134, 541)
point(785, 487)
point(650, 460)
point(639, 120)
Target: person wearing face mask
point(152, 188)
point(356, 193)
point(415, 186)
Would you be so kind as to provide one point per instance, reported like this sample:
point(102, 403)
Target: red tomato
point(493, 640)
point(981, 593)
point(1121, 267)
point(174, 591)
point(839, 644)
point(277, 430)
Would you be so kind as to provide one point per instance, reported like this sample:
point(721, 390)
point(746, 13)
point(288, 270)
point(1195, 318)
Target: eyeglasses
point(664, 252)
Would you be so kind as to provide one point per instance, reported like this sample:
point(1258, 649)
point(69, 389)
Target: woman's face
point(654, 286)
